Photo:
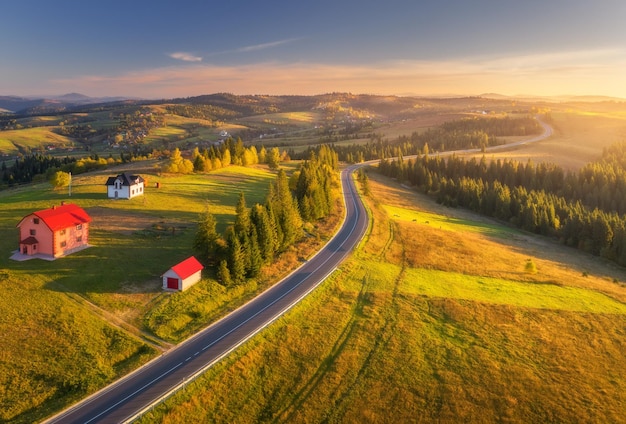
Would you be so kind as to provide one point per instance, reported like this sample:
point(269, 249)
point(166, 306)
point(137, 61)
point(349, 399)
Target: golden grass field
point(31, 138)
point(434, 319)
point(578, 139)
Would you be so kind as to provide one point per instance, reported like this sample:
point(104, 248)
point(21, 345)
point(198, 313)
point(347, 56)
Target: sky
point(159, 49)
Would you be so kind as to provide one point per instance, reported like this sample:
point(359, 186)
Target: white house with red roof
point(53, 232)
point(183, 275)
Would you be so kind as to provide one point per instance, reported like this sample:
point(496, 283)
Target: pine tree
point(274, 222)
point(206, 240)
point(273, 158)
point(255, 257)
point(223, 274)
point(236, 259)
point(288, 216)
point(226, 158)
point(267, 239)
point(242, 220)
point(262, 155)
point(199, 164)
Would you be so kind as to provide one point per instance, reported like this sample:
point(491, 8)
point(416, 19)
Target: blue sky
point(163, 49)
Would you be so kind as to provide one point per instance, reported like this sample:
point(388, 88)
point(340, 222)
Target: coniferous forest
point(264, 230)
point(583, 209)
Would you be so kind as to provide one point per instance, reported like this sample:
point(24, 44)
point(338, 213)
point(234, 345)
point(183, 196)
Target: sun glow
point(596, 72)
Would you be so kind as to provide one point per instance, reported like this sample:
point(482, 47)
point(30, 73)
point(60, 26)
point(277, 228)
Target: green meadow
point(31, 138)
point(391, 337)
point(445, 222)
point(433, 319)
point(72, 325)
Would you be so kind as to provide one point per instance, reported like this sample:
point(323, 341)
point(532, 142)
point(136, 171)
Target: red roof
point(187, 267)
point(64, 216)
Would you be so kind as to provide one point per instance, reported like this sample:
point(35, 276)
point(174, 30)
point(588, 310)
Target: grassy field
point(72, 325)
point(434, 319)
point(579, 138)
point(31, 138)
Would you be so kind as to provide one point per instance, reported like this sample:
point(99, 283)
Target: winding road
point(132, 395)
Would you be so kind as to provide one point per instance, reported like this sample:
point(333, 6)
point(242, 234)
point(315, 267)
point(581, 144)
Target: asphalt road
point(126, 398)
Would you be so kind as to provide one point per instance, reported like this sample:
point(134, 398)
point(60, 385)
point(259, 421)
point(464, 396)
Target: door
point(172, 283)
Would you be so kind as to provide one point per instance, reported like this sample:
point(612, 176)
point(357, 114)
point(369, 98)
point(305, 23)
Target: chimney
point(62, 202)
point(54, 207)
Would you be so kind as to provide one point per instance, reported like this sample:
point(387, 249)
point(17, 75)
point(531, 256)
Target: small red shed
point(183, 275)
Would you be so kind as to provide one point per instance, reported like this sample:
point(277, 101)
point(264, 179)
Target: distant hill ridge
point(261, 104)
point(51, 104)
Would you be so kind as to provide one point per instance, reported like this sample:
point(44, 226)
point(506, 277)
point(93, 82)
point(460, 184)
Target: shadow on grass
point(124, 266)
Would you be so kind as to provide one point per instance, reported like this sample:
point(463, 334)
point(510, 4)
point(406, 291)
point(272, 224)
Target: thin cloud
point(185, 57)
point(264, 46)
point(585, 72)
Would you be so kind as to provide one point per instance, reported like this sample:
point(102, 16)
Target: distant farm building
point(183, 275)
point(54, 232)
point(125, 186)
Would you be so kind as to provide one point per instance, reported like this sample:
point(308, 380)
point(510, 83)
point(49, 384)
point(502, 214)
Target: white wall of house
point(124, 192)
point(191, 280)
point(181, 284)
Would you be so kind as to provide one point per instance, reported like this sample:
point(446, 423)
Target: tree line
point(36, 167)
point(468, 133)
point(217, 156)
point(262, 231)
point(581, 209)
point(26, 168)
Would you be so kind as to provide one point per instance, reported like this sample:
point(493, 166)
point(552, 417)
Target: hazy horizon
point(158, 49)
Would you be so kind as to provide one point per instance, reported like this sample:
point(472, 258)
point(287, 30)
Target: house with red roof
point(183, 275)
point(54, 232)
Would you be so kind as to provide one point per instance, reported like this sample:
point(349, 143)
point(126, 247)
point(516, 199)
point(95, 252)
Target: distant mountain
point(15, 104)
point(81, 99)
point(51, 104)
point(73, 98)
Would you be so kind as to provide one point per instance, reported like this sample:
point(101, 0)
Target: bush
point(530, 267)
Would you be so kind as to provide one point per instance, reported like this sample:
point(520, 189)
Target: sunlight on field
point(443, 222)
point(442, 284)
point(579, 138)
point(31, 138)
point(98, 300)
point(383, 340)
point(284, 118)
point(433, 319)
point(164, 133)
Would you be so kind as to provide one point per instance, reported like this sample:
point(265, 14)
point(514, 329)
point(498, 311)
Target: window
point(33, 232)
point(79, 227)
point(36, 220)
point(62, 232)
point(79, 239)
point(63, 244)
